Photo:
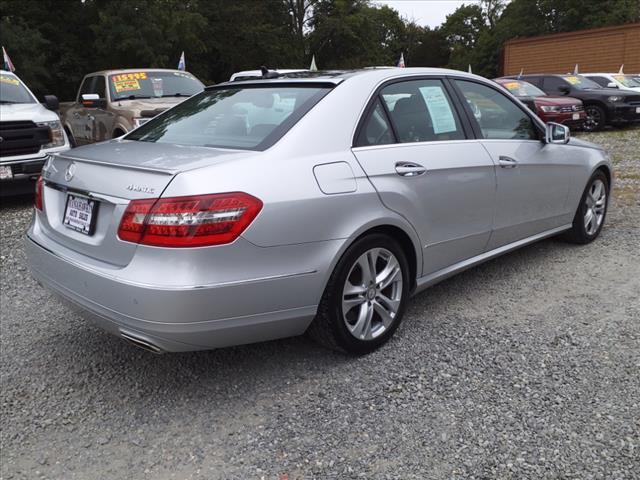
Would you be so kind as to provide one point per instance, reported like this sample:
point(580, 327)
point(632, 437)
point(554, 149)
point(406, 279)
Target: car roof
point(134, 70)
point(338, 76)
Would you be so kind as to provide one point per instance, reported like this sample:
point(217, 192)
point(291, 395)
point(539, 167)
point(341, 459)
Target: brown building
point(594, 50)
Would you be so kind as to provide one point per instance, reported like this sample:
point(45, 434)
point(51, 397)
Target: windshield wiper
point(9, 101)
point(174, 95)
point(133, 97)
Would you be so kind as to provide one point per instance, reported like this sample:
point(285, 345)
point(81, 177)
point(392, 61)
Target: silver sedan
point(267, 208)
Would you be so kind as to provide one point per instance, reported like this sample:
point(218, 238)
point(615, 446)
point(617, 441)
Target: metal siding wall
point(601, 50)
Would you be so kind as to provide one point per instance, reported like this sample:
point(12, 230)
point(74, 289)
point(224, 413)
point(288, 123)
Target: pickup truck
point(111, 103)
point(29, 132)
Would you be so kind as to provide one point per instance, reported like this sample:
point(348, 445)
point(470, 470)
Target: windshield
point(252, 118)
point(153, 84)
point(13, 91)
point(627, 80)
point(580, 82)
point(522, 89)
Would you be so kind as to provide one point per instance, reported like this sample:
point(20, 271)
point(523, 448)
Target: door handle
point(408, 169)
point(507, 162)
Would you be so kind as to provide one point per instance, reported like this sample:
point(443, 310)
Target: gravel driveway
point(527, 367)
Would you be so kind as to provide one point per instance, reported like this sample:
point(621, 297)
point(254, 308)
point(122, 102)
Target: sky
point(425, 12)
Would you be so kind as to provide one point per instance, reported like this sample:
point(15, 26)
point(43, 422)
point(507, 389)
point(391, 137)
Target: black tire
point(329, 328)
point(578, 233)
point(596, 118)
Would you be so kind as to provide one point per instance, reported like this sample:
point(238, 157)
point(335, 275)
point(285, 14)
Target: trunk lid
point(111, 174)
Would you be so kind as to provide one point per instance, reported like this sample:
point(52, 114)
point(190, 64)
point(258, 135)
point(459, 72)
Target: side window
point(537, 81)
point(376, 129)
point(99, 87)
point(421, 111)
point(497, 116)
point(85, 87)
point(603, 82)
point(553, 84)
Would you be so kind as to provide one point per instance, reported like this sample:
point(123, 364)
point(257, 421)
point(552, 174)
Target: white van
point(29, 130)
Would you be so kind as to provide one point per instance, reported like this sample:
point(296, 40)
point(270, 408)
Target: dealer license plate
point(576, 116)
point(5, 173)
point(80, 214)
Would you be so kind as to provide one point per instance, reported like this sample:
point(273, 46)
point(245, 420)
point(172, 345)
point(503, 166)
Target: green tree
point(354, 34)
point(462, 30)
point(429, 49)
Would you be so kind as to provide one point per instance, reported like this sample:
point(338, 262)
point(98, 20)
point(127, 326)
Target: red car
point(565, 110)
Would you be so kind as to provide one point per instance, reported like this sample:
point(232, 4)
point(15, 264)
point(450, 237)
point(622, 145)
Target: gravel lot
point(527, 367)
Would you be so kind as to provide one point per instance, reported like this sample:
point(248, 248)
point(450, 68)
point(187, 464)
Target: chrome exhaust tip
point(141, 343)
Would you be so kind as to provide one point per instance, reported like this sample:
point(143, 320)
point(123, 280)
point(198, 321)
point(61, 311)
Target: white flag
point(620, 72)
point(182, 64)
point(312, 67)
point(470, 69)
point(401, 61)
point(575, 70)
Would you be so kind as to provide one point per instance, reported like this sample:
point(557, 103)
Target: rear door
point(421, 157)
point(533, 177)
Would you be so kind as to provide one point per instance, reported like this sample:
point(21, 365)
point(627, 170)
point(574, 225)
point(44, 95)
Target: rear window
point(243, 117)
point(12, 90)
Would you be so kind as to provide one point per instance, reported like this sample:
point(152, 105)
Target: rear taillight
point(195, 221)
point(38, 197)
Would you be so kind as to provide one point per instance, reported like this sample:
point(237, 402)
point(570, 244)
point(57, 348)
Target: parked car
point(615, 80)
point(113, 102)
point(565, 110)
point(604, 106)
point(29, 131)
point(226, 220)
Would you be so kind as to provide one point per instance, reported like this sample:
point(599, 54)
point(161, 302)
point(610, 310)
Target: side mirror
point(611, 85)
point(93, 100)
point(52, 102)
point(564, 90)
point(556, 133)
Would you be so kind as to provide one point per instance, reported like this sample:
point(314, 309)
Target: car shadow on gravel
point(244, 371)
point(15, 201)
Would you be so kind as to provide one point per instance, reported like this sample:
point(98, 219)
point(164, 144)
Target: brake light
point(193, 221)
point(38, 196)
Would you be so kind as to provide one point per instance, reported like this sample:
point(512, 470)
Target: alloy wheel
point(593, 120)
point(595, 206)
point(372, 294)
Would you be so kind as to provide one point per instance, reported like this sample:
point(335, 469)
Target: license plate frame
point(576, 116)
point(79, 224)
point(5, 172)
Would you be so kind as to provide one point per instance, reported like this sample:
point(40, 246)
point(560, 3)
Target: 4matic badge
point(140, 188)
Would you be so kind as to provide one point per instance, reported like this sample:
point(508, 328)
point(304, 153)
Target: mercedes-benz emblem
point(70, 171)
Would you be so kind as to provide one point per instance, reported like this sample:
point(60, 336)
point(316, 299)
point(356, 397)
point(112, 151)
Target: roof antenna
point(268, 74)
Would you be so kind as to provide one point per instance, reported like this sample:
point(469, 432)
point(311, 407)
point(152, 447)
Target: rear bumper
point(183, 318)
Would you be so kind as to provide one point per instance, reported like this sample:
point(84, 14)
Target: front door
point(427, 168)
point(533, 177)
